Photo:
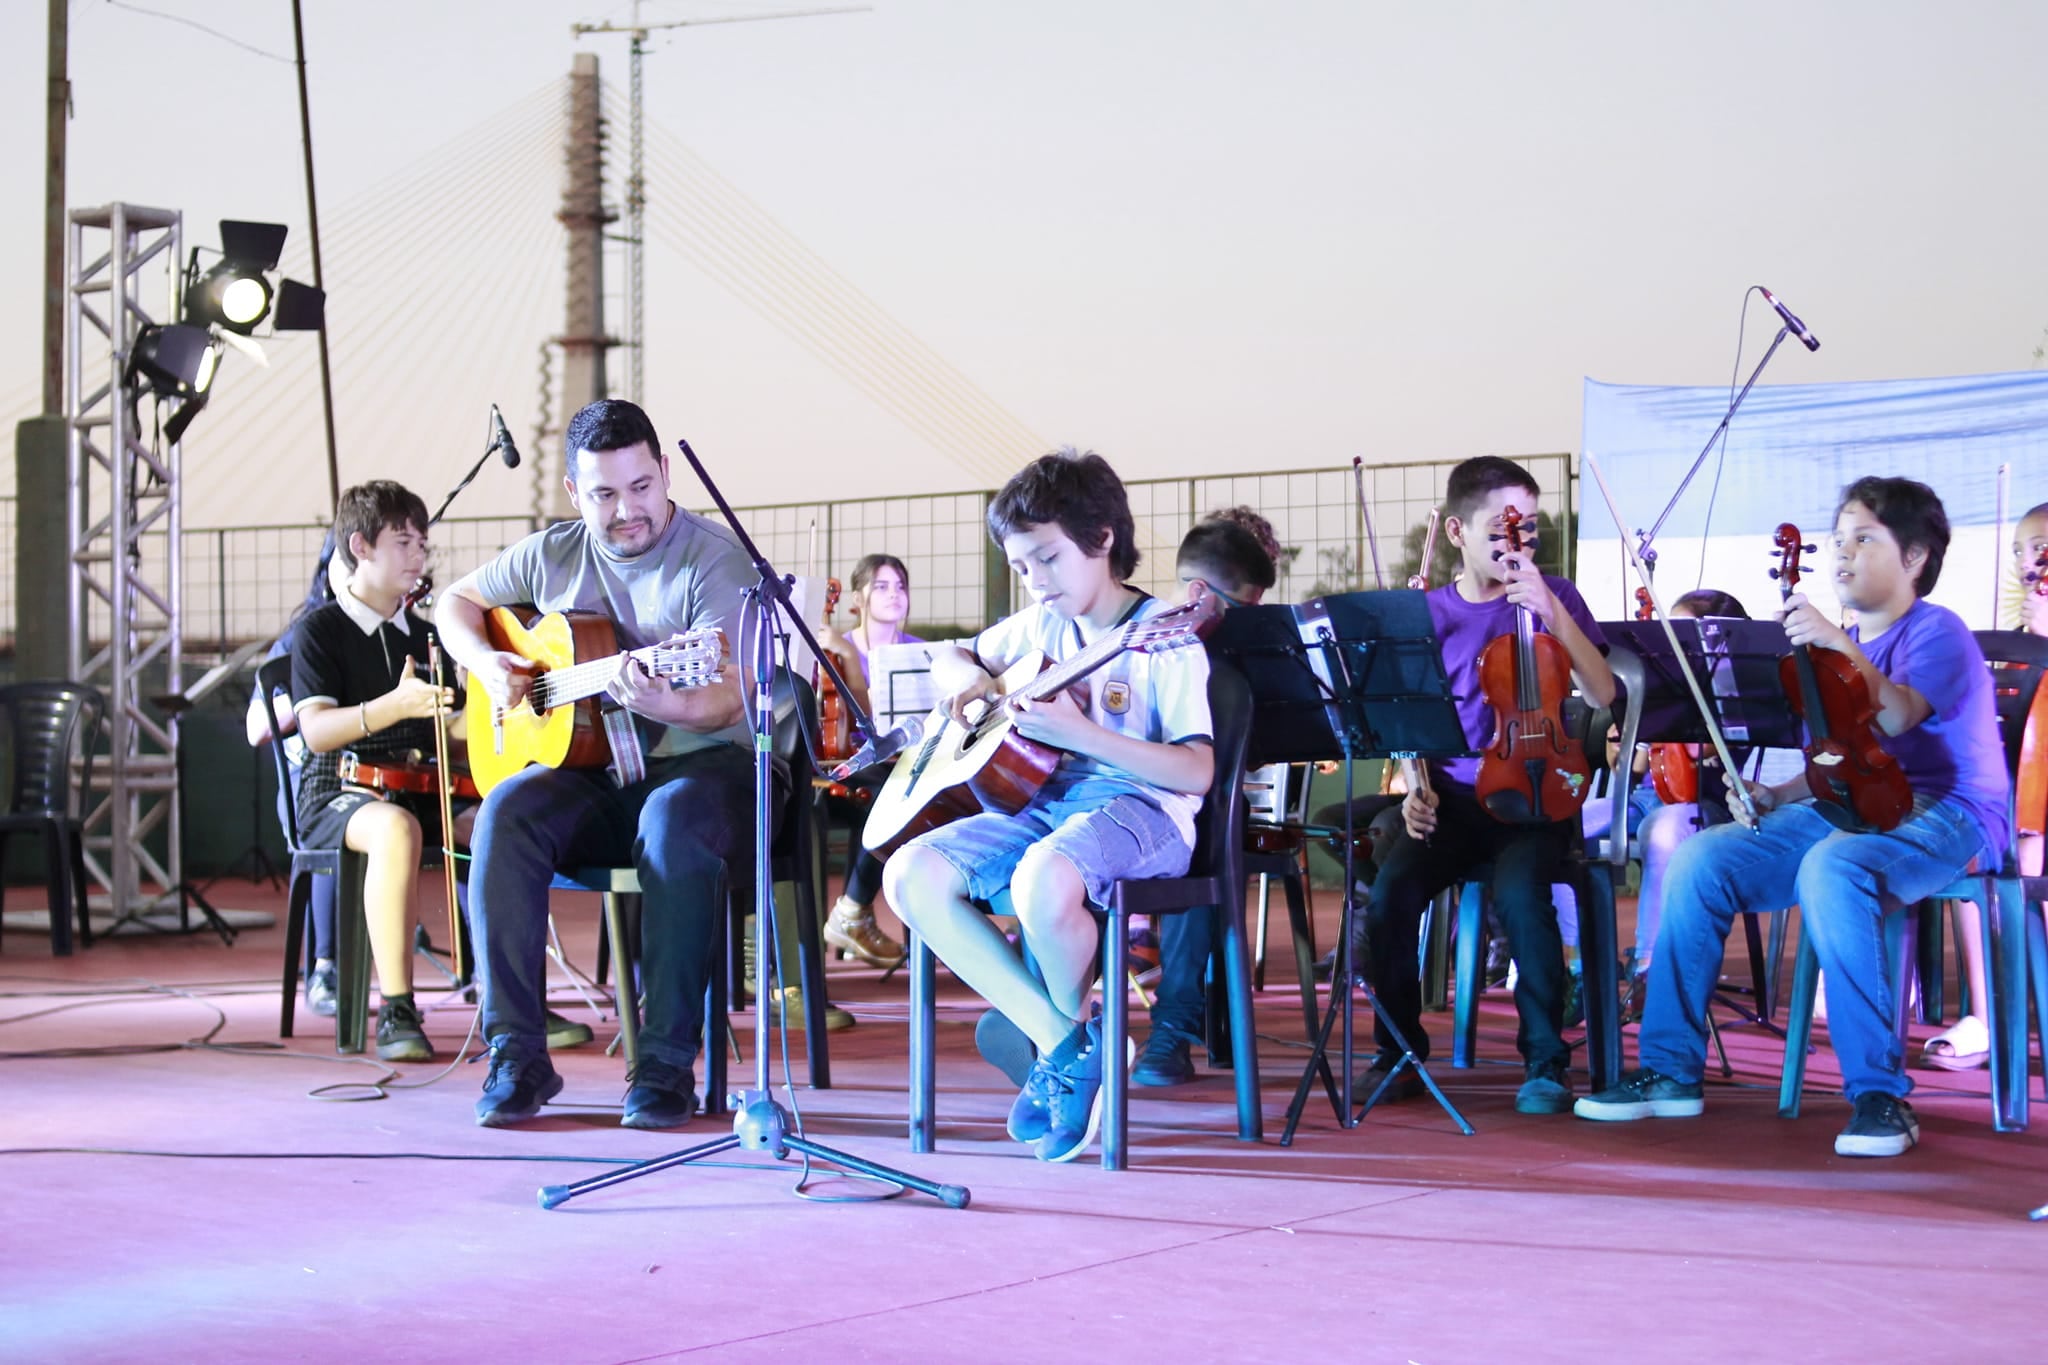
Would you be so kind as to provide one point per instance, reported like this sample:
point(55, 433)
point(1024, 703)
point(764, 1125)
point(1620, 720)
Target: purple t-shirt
point(1956, 753)
point(1463, 629)
point(865, 676)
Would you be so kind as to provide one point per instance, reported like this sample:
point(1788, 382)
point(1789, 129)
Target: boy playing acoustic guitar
point(1136, 759)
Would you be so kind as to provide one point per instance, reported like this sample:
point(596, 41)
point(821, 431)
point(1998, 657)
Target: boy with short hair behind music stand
point(1937, 717)
point(1446, 831)
point(357, 666)
point(1136, 759)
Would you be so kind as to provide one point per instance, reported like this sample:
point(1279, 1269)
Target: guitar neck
point(1064, 675)
point(578, 682)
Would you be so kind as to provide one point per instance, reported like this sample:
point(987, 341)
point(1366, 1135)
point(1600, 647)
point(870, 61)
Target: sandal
point(1964, 1047)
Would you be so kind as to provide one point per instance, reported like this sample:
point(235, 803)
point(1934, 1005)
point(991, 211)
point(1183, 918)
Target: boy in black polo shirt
point(358, 675)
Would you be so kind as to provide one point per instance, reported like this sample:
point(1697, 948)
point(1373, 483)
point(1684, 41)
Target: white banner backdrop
point(1789, 454)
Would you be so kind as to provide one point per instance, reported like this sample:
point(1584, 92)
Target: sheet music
point(900, 683)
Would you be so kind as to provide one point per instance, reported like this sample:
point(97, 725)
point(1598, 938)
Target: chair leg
point(1798, 1025)
point(923, 1028)
point(80, 887)
point(626, 994)
point(2005, 1008)
point(1929, 946)
point(1471, 973)
point(297, 897)
point(1116, 1025)
point(2036, 972)
point(1598, 954)
point(1759, 970)
point(711, 1044)
point(1251, 1121)
point(57, 881)
point(1436, 954)
point(351, 956)
point(1298, 922)
point(811, 973)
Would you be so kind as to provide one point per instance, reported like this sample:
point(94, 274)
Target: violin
point(1856, 785)
point(420, 779)
point(835, 725)
point(1674, 771)
point(1533, 772)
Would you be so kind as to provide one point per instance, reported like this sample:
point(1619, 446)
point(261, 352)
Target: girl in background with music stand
point(881, 603)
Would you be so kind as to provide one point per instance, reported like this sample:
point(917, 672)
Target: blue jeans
point(1185, 943)
point(678, 828)
point(1844, 885)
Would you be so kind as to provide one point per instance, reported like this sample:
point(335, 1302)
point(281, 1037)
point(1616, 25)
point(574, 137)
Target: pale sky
point(1200, 237)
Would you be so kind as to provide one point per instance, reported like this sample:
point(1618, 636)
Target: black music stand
point(1358, 675)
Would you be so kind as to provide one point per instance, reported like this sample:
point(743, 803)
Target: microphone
point(501, 439)
point(1792, 322)
point(881, 749)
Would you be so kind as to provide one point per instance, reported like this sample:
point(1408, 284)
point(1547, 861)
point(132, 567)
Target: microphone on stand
point(881, 749)
point(501, 439)
point(1792, 322)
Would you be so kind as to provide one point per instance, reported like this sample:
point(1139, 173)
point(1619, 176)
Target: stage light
point(174, 361)
point(236, 294)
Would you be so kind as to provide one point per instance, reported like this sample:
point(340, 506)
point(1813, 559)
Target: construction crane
point(636, 183)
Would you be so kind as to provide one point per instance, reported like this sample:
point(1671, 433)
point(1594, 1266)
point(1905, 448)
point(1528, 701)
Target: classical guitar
point(577, 654)
point(986, 765)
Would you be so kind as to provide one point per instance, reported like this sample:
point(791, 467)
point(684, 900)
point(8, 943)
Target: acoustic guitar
point(987, 765)
point(577, 653)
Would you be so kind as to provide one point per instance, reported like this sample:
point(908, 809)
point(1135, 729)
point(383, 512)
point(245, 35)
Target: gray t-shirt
point(691, 577)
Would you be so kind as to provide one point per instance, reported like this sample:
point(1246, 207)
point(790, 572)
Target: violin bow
point(1699, 696)
point(1379, 579)
point(443, 781)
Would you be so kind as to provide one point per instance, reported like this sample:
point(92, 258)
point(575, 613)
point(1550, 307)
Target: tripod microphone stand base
point(760, 1125)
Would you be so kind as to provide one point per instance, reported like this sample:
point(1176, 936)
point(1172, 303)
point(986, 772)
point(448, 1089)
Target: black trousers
point(1526, 860)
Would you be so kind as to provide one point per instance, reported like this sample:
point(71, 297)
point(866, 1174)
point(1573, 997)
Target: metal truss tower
point(123, 521)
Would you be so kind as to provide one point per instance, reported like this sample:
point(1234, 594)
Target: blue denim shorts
point(1100, 825)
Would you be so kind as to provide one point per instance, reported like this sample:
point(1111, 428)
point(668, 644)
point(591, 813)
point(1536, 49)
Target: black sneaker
point(1165, 1060)
point(659, 1095)
point(1407, 1086)
point(566, 1032)
point(1546, 1089)
point(321, 984)
point(1004, 1046)
point(1031, 1112)
point(1643, 1094)
point(401, 1037)
point(1883, 1125)
point(1074, 1098)
point(519, 1082)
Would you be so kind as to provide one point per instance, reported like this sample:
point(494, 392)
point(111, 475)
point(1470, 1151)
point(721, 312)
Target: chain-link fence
point(242, 583)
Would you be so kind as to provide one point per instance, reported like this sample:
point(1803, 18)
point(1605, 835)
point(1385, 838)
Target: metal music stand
point(1357, 675)
point(1737, 663)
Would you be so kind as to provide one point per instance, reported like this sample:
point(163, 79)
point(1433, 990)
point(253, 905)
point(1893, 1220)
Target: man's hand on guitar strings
point(634, 688)
point(507, 677)
point(985, 691)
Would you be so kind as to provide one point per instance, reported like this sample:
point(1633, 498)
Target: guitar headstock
point(693, 659)
point(1187, 624)
point(1790, 546)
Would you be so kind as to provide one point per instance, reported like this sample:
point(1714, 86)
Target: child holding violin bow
point(1499, 620)
point(1905, 785)
point(361, 697)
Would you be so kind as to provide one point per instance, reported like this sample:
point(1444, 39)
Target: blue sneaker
point(1074, 1099)
point(1031, 1114)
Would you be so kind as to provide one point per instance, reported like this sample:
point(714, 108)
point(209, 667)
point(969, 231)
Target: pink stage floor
point(1734, 1236)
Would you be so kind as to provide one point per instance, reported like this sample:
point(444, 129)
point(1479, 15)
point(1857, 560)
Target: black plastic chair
point(351, 928)
point(50, 724)
point(1215, 884)
point(793, 855)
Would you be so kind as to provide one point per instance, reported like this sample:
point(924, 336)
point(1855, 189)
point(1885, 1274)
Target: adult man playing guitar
point(656, 571)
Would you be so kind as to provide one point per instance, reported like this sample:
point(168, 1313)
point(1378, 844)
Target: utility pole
point(41, 444)
point(636, 180)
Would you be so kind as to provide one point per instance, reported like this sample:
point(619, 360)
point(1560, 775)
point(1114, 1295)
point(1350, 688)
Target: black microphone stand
point(489, 450)
point(759, 1122)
